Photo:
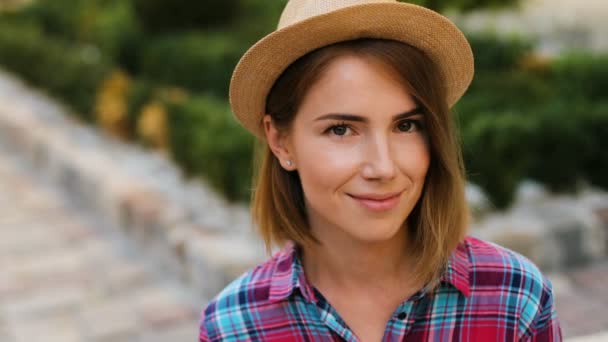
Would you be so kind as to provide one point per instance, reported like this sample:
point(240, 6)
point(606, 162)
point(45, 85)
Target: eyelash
point(418, 123)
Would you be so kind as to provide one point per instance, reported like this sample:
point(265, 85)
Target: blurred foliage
point(581, 75)
point(111, 104)
point(493, 54)
point(152, 128)
point(110, 25)
point(147, 115)
point(157, 72)
point(208, 141)
point(70, 72)
point(561, 140)
point(256, 19)
point(138, 95)
point(198, 61)
point(595, 126)
point(528, 117)
point(494, 143)
point(161, 16)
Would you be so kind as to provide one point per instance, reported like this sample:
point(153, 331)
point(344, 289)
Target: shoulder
point(227, 315)
point(503, 273)
point(492, 264)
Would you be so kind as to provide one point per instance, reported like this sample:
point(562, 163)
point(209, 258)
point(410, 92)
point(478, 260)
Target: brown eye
point(405, 126)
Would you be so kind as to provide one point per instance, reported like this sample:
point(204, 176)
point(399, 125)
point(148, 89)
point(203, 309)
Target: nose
point(379, 162)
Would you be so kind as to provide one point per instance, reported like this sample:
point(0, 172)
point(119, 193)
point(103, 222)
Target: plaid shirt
point(487, 293)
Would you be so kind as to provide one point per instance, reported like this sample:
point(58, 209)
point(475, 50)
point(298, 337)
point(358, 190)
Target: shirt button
point(402, 315)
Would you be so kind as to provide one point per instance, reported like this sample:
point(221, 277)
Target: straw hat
point(306, 25)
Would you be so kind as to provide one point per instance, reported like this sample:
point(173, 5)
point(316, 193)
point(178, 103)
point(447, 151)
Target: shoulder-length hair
point(439, 220)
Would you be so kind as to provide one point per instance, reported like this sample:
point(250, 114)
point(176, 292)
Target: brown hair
point(439, 220)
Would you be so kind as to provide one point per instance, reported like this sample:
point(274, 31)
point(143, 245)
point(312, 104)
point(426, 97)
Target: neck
point(354, 265)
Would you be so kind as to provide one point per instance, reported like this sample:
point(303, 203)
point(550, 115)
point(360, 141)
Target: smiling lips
point(378, 202)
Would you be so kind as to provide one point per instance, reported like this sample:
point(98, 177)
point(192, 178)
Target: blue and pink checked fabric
point(487, 293)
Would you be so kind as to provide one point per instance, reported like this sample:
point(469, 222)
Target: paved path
point(581, 297)
point(64, 279)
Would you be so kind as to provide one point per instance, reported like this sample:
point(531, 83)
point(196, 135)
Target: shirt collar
point(288, 273)
point(458, 269)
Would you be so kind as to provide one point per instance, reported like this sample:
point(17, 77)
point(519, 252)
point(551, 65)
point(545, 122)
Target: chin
point(376, 235)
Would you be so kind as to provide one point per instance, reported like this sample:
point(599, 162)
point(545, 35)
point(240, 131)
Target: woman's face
point(359, 146)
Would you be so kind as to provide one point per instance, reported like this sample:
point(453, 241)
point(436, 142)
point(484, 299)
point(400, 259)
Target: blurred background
point(125, 179)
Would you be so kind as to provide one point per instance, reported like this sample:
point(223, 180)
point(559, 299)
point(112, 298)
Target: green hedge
point(256, 19)
point(140, 93)
point(547, 125)
point(581, 77)
point(493, 52)
point(197, 61)
point(70, 72)
point(57, 17)
point(496, 148)
point(502, 90)
point(206, 140)
point(559, 145)
point(595, 127)
point(110, 25)
point(159, 16)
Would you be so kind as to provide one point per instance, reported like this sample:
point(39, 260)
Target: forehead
point(355, 85)
point(352, 68)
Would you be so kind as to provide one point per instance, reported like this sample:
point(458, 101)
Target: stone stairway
point(67, 279)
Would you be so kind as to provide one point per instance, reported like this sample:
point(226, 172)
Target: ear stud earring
point(289, 163)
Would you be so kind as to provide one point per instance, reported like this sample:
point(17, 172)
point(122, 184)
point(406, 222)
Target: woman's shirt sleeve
point(545, 326)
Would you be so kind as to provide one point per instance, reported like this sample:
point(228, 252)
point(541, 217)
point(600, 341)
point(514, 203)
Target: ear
point(278, 144)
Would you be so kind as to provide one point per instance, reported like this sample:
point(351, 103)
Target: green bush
point(139, 94)
point(568, 145)
point(594, 121)
point(542, 123)
point(114, 29)
point(256, 19)
point(206, 140)
point(496, 148)
point(494, 53)
point(560, 145)
point(57, 17)
point(69, 72)
point(502, 91)
point(109, 25)
point(581, 77)
point(176, 15)
point(197, 61)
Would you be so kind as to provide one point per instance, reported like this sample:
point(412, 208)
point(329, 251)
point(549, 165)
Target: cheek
point(324, 168)
point(414, 158)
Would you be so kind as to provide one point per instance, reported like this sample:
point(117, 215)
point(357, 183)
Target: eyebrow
point(358, 118)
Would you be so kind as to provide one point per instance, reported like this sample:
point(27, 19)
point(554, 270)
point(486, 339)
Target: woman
point(362, 186)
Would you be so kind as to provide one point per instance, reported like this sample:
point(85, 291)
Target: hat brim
point(420, 27)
